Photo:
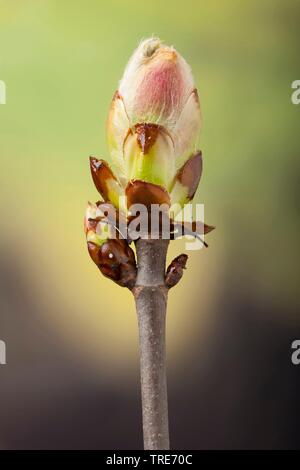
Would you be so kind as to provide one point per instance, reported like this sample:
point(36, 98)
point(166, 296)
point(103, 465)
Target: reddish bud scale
point(189, 175)
point(175, 270)
point(146, 135)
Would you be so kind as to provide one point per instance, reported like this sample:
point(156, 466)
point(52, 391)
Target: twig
point(150, 295)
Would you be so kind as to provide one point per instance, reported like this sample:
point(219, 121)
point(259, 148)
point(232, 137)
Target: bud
point(117, 262)
point(114, 257)
point(152, 129)
point(96, 227)
point(154, 121)
point(175, 270)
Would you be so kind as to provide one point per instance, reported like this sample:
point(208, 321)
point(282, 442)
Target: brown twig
point(150, 295)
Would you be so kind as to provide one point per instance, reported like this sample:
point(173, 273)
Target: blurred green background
point(63, 322)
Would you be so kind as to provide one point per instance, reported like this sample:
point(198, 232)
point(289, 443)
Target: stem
point(151, 302)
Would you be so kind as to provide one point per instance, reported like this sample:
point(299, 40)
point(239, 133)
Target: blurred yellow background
point(61, 62)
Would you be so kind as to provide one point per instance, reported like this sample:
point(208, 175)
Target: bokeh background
point(72, 374)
